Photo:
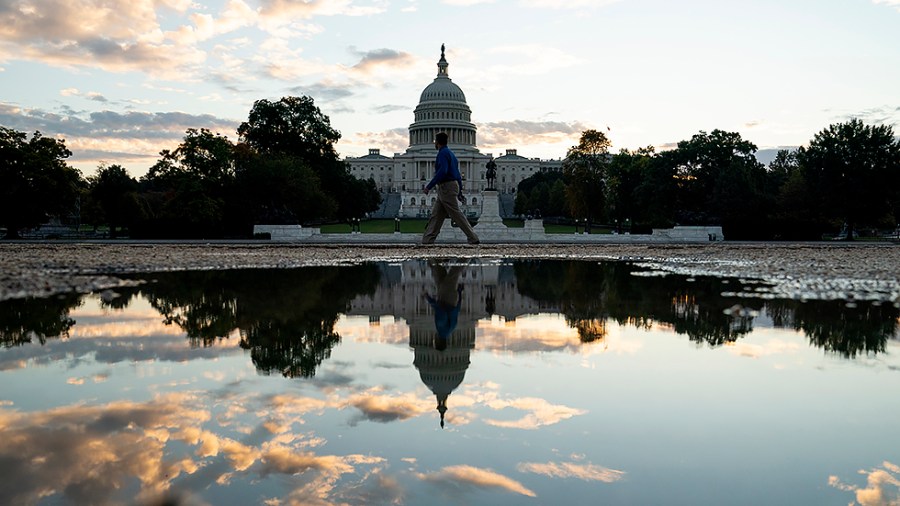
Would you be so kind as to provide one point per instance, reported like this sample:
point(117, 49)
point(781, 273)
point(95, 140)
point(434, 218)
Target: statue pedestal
point(490, 223)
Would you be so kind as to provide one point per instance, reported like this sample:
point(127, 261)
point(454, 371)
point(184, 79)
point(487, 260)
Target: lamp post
point(397, 225)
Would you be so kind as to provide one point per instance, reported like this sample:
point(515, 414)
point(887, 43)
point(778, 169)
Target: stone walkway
point(801, 270)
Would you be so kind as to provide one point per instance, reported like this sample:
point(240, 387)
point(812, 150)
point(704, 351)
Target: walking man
point(449, 192)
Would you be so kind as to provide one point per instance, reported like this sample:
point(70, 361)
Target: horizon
point(119, 85)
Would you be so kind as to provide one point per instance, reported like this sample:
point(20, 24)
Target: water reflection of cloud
point(112, 350)
point(882, 486)
point(531, 333)
point(457, 479)
point(586, 472)
point(387, 330)
point(770, 347)
point(386, 408)
point(537, 412)
point(89, 453)
point(126, 452)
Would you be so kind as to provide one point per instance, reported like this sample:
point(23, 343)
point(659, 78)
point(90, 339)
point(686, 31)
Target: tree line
point(290, 330)
point(847, 177)
point(284, 169)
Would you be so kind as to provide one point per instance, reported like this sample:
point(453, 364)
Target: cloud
point(87, 454)
point(891, 3)
point(500, 134)
point(384, 408)
point(569, 4)
point(539, 413)
point(384, 109)
point(389, 59)
point(325, 91)
point(390, 141)
point(772, 347)
point(454, 479)
point(586, 472)
point(467, 3)
point(120, 137)
point(91, 95)
point(310, 8)
point(882, 115)
point(882, 486)
point(106, 34)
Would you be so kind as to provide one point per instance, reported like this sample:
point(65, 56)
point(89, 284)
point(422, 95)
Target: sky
point(120, 80)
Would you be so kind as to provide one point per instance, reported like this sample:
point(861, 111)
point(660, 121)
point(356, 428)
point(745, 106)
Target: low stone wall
point(285, 232)
point(493, 233)
point(689, 234)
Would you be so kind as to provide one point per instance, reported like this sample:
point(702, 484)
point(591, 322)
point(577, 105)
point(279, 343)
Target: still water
point(448, 382)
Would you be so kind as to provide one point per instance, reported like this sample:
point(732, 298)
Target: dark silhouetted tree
point(855, 169)
point(294, 127)
point(116, 194)
point(625, 172)
point(585, 171)
point(187, 189)
point(35, 181)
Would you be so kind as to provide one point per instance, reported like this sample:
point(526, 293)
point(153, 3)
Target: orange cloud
point(476, 477)
point(540, 413)
point(586, 472)
point(385, 408)
point(882, 486)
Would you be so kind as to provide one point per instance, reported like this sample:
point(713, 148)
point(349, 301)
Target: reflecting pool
point(448, 382)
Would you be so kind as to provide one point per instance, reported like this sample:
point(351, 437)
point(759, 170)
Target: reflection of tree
point(847, 331)
point(592, 292)
point(286, 317)
point(22, 320)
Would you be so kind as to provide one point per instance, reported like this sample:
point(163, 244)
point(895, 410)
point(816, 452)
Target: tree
point(719, 181)
point(294, 127)
point(625, 172)
point(855, 168)
point(291, 126)
point(35, 181)
point(585, 171)
point(187, 190)
point(280, 190)
point(115, 192)
point(656, 196)
point(536, 194)
point(796, 215)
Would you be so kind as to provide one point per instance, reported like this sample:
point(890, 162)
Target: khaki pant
point(446, 205)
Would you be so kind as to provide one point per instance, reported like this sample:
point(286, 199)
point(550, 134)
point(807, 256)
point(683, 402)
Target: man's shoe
point(476, 242)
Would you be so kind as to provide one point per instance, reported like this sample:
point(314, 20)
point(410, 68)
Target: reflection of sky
point(127, 408)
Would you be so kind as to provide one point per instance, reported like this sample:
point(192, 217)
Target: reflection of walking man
point(449, 188)
point(447, 302)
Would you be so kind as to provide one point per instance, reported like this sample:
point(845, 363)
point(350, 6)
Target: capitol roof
point(442, 88)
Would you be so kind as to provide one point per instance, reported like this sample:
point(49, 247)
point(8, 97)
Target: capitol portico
point(443, 108)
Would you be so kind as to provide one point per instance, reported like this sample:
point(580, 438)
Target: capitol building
point(442, 108)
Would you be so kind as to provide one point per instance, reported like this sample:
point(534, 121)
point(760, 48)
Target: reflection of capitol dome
point(442, 108)
point(443, 371)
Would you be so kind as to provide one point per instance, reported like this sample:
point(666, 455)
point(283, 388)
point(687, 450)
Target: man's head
point(440, 139)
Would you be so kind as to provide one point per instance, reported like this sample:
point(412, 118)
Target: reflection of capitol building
point(443, 108)
point(488, 289)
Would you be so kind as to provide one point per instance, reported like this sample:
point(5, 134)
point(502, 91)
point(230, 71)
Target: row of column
point(457, 136)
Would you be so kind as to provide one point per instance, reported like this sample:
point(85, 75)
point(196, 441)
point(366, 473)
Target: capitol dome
point(442, 108)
